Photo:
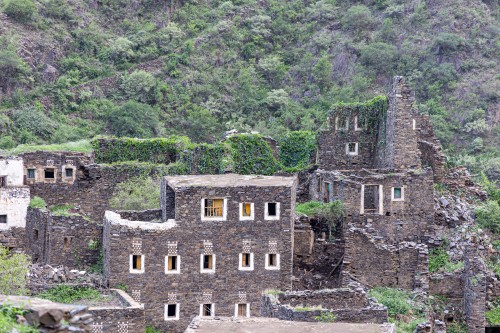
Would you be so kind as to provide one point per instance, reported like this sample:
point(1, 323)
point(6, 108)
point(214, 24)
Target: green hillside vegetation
point(73, 70)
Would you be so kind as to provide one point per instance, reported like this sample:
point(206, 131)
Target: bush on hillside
point(134, 119)
point(488, 216)
point(137, 194)
point(20, 10)
point(13, 272)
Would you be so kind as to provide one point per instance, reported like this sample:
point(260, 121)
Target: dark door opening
point(371, 199)
point(492, 330)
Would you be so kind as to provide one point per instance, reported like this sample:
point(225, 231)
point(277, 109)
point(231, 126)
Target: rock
point(444, 202)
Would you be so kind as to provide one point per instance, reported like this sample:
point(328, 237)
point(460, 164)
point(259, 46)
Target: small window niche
point(246, 262)
point(319, 183)
point(136, 263)
point(242, 310)
point(327, 193)
point(3, 218)
point(341, 124)
point(67, 240)
point(35, 234)
point(68, 172)
point(207, 310)
point(172, 265)
point(398, 194)
point(272, 262)
point(207, 263)
point(214, 209)
point(351, 148)
point(172, 311)
point(357, 128)
point(272, 211)
point(49, 173)
point(31, 174)
point(414, 124)
point(3, 181)
point(246, 211)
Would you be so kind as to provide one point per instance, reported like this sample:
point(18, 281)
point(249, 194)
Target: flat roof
point(228, 180)
point(273, 325)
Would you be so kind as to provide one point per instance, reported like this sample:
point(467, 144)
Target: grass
point(150, 329)
point(62, 210)
point(69, 294)
point(396, 300)
point(456, 327)
point(439, 260)
point(308, 208)
point(82, 146)
point(8, 321)
point(37, 202)
point(493, 316)
point(408, 325)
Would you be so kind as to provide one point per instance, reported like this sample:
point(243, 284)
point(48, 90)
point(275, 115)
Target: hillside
point(76, 69)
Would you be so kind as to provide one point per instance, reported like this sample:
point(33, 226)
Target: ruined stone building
point(217, 244)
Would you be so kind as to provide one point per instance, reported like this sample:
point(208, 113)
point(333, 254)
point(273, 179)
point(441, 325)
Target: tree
point(139, 85)
point(13, 270)
point(20, 10)
point(358, 19)
point(34, 121)
point(379, 56)
point(134, 119)
point(13, 70)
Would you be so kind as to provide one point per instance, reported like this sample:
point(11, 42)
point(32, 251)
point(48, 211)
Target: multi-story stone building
point(219, 242)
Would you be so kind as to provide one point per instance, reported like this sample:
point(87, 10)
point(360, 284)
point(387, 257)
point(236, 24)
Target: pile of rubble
point(452, 211)
point(42, 276)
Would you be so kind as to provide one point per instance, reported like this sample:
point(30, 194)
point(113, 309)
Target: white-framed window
point(351, 148)
point(356, 124)
point(246, 211)
point(242, 310)
point(31, 173)
point(398, 194)
point(68, 172)
point(213, 209)
point(207, 263)
point(207, 310)
point(272, 262)
point(272, 211)
point(414, 124)
point(341, 123)
point(172, 311)
point(49, 173)
point(137, 263)
point(245, 262)
point(172, 264)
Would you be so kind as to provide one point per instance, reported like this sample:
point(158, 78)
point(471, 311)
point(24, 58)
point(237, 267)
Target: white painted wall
point(13, 168)
point(14, 202)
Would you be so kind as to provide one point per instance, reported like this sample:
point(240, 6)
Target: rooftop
point(273, 325)
point(228, 180)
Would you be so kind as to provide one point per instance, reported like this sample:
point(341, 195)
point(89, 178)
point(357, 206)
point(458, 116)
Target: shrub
point(137, 194)
point(488, 216)
point(69, 294)
point(8, 320)
point(139, 85)
point(34, 121)
point(251, 154)
point(379, 56)
point(396, 300)
point(438, 258)
point(358, 18)
point(20, 10)
point(297, 149)
point(37, 202)
point(134, 119)
point(62, 210)
point(448, 43)
point(328, 213)
point(493, 316)
point(7, 142)
point(326, 317)
point(13, 272)
point(308, 208)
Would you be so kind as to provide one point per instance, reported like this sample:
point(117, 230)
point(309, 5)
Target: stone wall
point(73, 241)
point(128, 318)
point(189, 238)
point(474, 291)
point(346, 304)
point(370, 261)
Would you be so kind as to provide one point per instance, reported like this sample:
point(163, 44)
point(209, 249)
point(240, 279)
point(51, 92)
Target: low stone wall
point(346, 304)
point(51, 317)
point(143, 215)
point(128, 318)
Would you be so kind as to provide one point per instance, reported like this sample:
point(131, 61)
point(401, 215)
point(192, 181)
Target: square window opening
point(35, 235)
point(69, 173)
point(171, 310)
point(272, 209)
point(31, 173)
point(172, 263)
point(207, 261)
point(342, 123)
point(397, 193)
point(351, 146)
point(272, 260)
point(49, 173)
point(245, 260)
point(207, 310)
point(137, 262)
point(214, 207)
point(246, 209)
point(3, 218)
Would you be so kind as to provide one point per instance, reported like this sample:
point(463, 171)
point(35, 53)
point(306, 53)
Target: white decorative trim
point(272, 268)
point(356, 149)
point(402, 194)
point(173, 271)
point(240, 263)
point(137, 271)
point(247, 315)
point(266, 212)
point(177, 312)
point(207, 270)
point(212, 314)
point(252, 212)
point(214, 218)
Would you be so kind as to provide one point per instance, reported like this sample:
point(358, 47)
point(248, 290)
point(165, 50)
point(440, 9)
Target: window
point(246, 262)
point(242, 310)
point(328, 190)
point(67, 242)
point(3, 218)
point(214, 209)
point(68, 172)
point(272, 211)
point(397, 194)
point(414, 124)
point(351, 148)
point(341, 123)
point(372, 199)
point(136, 263)
point(49, 174)
point(172, 311)
point(319, 185)
point(207, 310)
point(35, 235)
point(246, 211)
point(356, 124)
point(207, 263)
point(272, 261)
point(3, 181)
point(172, 264)
point(31, 173)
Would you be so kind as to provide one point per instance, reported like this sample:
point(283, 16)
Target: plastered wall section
point(14, 202)
point(12, 168)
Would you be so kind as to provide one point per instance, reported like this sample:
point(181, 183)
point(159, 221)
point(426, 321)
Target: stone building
point(218, 242)
point(14, 201)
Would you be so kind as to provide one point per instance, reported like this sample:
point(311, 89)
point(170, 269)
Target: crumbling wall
point(73, 241)
point(370, 261)
point(475, 283)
